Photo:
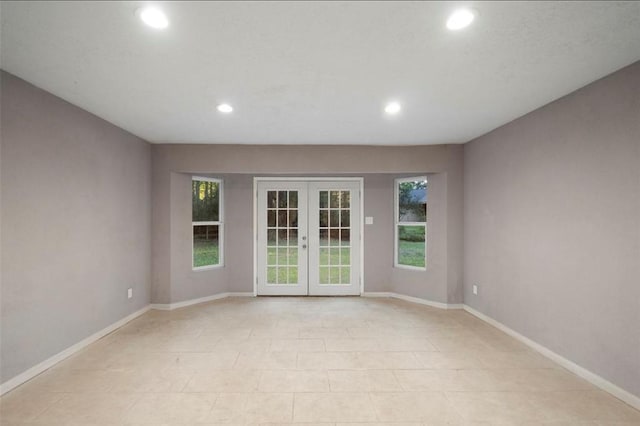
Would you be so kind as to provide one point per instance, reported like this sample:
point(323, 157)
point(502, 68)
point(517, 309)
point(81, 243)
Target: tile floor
point(333, 361)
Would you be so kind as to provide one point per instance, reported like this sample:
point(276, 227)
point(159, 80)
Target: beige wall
point(174, 281)
point(75, 218)
point(552, 226)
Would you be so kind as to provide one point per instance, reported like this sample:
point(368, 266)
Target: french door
point(308, 237)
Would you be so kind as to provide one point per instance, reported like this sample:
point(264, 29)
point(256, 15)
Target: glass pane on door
point(334, 237)
point(282, 237)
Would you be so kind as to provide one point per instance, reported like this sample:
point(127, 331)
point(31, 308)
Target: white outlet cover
point(368, 220)
point(475, 289)
point(130, 293)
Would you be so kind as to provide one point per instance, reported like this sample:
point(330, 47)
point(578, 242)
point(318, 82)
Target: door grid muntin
point(334, 254)
point(282, 237)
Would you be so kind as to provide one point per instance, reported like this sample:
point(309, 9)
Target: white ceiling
point(315, 72)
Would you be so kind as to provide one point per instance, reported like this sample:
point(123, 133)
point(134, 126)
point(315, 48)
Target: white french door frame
point(258, 179)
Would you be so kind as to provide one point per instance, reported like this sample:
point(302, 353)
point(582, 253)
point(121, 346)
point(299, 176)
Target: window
point(206, 221)
point(411, 223)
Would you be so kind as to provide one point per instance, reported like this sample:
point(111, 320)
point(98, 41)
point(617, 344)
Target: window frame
point(219, 222)
point(397, 223)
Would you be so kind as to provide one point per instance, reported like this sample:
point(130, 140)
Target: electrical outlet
point(475, 289)
point(130, 293)
point(368, 220)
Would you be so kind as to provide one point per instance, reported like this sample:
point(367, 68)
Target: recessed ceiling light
point(460, 19)
point(392, 108)
point(153, 17)
point(225, 108)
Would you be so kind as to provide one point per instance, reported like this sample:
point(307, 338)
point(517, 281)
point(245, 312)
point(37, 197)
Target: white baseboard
point(428, 302)
point(185, 303)
point(589, 376)
point(240, 294)
point(50, 362)
point(419, 300)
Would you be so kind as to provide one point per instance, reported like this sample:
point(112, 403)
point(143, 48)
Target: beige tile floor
point(332, 361)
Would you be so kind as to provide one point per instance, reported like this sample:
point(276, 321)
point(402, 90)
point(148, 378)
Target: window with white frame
point(411, 223)
point(207, 223)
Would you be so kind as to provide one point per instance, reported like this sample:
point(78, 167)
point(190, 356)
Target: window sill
point(411, 268)
point(207, 268)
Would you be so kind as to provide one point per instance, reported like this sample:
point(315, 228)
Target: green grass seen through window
point(333, 255)
point(205, 253)
point(411, 246)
